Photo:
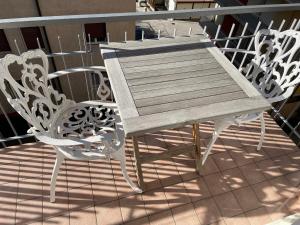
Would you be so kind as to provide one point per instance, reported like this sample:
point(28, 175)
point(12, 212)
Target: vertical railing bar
point(65, 66)
point(143, 33)
point(92, 63)
point(281, 25)
point(10, 123)
point(229, 36)
point(217, 33)
point(18, 49)
point(190, 31)
point(83, 64)
point(38, 42)
point(158, 35)
point(107, 38)
point(174, 33)
point(250, 44)
point(125, 36)
point(239, 42)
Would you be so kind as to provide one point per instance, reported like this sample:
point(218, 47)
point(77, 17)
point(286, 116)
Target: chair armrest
point(72, 141)
point(75, 70)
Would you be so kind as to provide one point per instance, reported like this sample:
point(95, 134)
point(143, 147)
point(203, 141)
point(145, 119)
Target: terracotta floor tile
point(209, 167)
point(31, 168)
point(78, 176)
point(253, 153)
point(228, 204)
point(286, 165)
point(80, 198)
point(29, 211)
point(83, 216)
point(197, 189)
point(293, 178)
point(237, 220)
point(186, 166)
point(162, 218)
point(207, 211)
point(140, 221)
point(30, 188)
point(108, 213)
point(258, 216)
point(252, 173)
point(185, 215)
point(104, 191)
point(59, 220)
point(224, 161)
point(100, 170)
point(167, 173)
point(8, 203)
point(176, 195)
point(266, 193)
point(216, 183)
point(155, 201)
point(60, 207)
point(246, 198)
point(284, 187)
point(293, 204)
point(151, 178)
point(240, 156)
point(123, 189)
point(9, 173)
point(277, 211)
point(269, 168)
point(132, 207)
point(234, 178)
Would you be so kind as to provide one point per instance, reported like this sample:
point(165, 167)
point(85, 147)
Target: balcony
point(238, 184)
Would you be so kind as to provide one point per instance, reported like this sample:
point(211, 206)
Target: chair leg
point(120, 155)
point(219, 127)
point(58, 162)
point(263, 131)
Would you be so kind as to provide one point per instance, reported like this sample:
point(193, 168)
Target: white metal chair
point(274, 71)
point(79, 131)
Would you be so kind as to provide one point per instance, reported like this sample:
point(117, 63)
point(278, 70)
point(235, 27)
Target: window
point(4, 46)
point(97, 31)
point(30, 35)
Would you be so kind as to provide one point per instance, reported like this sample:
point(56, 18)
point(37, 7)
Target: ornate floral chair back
point(28, 91)
point(275, 68)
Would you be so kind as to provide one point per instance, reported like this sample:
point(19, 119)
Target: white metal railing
point(85, 50)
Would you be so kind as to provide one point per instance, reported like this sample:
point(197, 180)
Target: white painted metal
point(274, 72)
point(130, 16)
point(79, 131)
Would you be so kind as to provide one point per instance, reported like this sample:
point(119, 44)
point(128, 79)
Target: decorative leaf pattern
point(275, 68)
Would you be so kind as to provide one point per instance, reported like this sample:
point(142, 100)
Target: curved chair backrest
point(275, 68)
point(24, 82)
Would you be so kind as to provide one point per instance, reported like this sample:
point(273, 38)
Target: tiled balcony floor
point(239, 185)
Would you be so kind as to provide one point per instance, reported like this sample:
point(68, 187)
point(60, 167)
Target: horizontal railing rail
point(223, 42)
point(114, 17)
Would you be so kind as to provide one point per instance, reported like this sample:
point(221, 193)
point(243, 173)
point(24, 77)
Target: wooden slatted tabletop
point(172, 82)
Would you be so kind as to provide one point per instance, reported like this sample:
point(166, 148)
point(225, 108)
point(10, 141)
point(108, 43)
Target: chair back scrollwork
point(275, 68)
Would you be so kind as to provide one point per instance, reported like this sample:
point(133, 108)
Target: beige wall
point(68, 33)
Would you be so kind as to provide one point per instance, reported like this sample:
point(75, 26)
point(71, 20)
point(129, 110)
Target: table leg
point(198, 157)
point(138, 165)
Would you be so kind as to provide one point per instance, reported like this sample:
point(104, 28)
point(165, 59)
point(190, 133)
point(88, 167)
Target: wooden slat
point(211, 70)
point(119, 86)
point(164, 72)
point(185, 96)
point(132, 57)
point(232, 71)
point(179, 118)
point(190, 103)
point(182, 89)
point(168, 66)
point(167, 59)
point(178, 83)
